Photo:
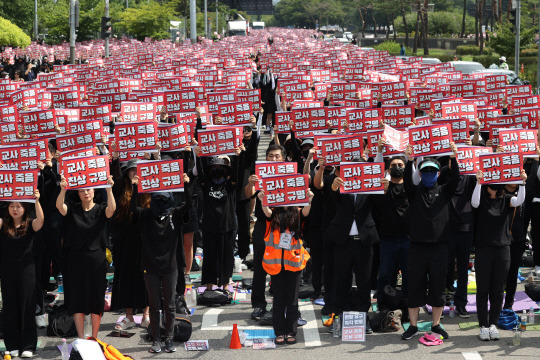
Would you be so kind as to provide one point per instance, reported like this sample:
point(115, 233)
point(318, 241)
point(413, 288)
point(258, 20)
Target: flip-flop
point(430, 340)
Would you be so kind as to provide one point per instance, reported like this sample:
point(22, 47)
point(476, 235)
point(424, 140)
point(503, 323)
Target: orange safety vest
point(294, 259)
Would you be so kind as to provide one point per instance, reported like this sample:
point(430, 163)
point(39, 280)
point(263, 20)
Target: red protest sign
point(459, 110)
point(65, 116)
point(18, 185)
point(236, 113)
point(468, 160)
point(160, 175)
point(173, 136)
point(341, 148)
point(18, 158)
point(395, 138)
point(429, 140)
point(220, 140)
point(141, 136)
point(42, 143)
point(362, 178)
point(67, 143)
point(286, 190)
point(272, 168)
point(373, 137)
point(363, 120)
point(132, 111)
point(309, 119)
point(8, 132)
point(283, 122)
point(36, 122)
point(519, 140)
point(501, 168)
point(398, 117)
point(87, 172)
point(253, 96)
point(460, 128)
point(79, 153)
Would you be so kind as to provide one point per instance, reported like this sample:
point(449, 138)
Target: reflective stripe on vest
point(294, 259)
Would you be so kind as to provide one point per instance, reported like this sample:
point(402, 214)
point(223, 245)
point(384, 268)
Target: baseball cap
point(428, 164)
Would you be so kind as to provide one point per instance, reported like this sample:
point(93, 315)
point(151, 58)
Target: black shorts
point(427, 274)
point(192, 224)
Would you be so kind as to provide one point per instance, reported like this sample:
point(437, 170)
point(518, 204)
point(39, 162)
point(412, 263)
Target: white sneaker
point(493, 332)
point(41, 321)
point(14, 353)
point(484, 334)
point(27, 354)
point(145, 323)
point(537, 270)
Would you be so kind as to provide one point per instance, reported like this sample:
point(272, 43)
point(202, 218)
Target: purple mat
point(201, 289)
point(521, 302)
point(60, 348)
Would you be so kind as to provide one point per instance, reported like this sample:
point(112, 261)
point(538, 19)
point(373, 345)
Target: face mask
point(495, 187)
point(161, 207)
point(305, 154)
point(429, 178)
point(217, 173)
point(396, 172)
point(329, 170)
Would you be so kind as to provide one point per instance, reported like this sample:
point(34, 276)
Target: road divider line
point(311, 329)
point(471, 355)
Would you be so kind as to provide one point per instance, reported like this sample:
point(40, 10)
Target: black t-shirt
point(329, 201)
point(390, 212)
point(493, 221)
point(219, 207)
point(317, 204)
point(86, 229)
point(17, 250)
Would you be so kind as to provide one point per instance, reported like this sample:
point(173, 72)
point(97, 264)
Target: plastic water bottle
point(189, 298)
point(87, 326)
point(7, 356)
point(523, 325)
point(65, 350)
point(531, 315)
point(452, 313)
point(337, 327)
point(238, 265)
point(60, 283)
point(516, 340)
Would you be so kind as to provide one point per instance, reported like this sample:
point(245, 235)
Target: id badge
point(285, 241)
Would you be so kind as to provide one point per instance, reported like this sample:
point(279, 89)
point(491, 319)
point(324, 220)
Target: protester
point(492, 258)
point(18, 276)
point(85, 265)
point(284, 258)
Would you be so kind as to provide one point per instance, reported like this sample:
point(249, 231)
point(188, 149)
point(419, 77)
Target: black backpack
point(533, 291)
point(61, 324)
point(181, 306)
point(216, 297)
point(182, 328)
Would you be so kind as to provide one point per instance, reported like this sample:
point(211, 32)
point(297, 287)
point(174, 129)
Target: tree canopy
point(12, 35)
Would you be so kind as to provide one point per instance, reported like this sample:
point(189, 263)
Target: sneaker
point(155, 348)
point(411, 331)
point(484, 334)
point(14, 353)
point(257, 313)
point(462, 312)
point(493, 332)
point(27, 354)
point(145, 323)
point(439, 330)
point(301, 322)
point(41, 321)
point(169, 346)
point(187, 279)
point(451, 290)
point(369, 330)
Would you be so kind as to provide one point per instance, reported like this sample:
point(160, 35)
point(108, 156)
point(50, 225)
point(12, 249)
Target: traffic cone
point(235, 338)
point(522, 69)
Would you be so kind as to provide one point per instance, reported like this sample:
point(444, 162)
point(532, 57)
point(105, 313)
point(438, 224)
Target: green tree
point(19, 12)
point(148, 20)
point(502, 40)
point(12, 35)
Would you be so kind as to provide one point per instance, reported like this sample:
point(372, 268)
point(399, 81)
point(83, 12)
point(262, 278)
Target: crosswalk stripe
point(471, 355)
point(311, 329)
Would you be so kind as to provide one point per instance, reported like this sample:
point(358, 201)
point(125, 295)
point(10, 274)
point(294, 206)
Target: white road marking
point(210, 319)
point(471, 355)
point(311, 329)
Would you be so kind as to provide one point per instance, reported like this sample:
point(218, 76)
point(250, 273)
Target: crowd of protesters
point(417, 236)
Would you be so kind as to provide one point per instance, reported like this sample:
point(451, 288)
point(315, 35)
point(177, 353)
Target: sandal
point(124, 324)
point(280, 340)
point(291, 339)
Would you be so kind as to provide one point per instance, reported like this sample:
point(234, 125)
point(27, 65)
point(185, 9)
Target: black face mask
point(161, 206)
point(217, 173)
point(397, 172)
point(305, 154)
point(495, 187)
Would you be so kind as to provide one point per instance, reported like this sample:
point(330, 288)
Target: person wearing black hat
point(129, 290)
point(160, 227)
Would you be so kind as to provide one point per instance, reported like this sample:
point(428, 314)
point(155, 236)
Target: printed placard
point(361, 177)
point(501, 168)
point(353, 326)
point(236, 113)
point(87, 172)
point(37, 122)
point(341, 149)
point(173, 137)
point(429, 140)
point(66, 143)
point(523, 141)
point(160, 175)
point(286, 190)
point(272, 168)
point(140, 136)
point(18, 185)
point(398, 117)
point(309, 119)
point(220, 140)
point(19, 158)
point(468, 158)
point(283, 122)
point(363, 120)
point(132, 111)
point(460, 128)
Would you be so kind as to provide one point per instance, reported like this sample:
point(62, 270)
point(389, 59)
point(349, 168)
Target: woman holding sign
point(284, 259)
point(18, 276)
point(85, 264)
point(493, 239)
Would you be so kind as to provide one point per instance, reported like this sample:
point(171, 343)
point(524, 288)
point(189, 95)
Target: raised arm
point(307, 209)
point(60, 200)
point(111, 203)
point(516, 201)
point(318, 179)
point(453, 180)
point(37, 224)
point(266, 210)
point(475, 200)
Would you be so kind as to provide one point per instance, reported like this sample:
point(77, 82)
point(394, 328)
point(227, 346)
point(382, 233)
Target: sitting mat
point(521, 302)
point(260, 334)
point(3, 345)
point(423, 326)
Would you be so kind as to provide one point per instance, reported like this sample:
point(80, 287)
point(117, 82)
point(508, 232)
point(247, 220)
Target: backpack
point(508, 319)
point(533, 291)
point(216, 297)
point(181, 306)
point(61, 324)
point(182, 328)
point(386, 321)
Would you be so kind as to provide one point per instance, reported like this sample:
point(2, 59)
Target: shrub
point(529, 52)
point(392, 47)
point(486, 60)
point(12, 35)
point(471, 50)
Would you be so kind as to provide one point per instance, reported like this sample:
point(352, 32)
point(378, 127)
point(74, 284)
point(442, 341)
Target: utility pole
point(518, 26)
point(36, 32)
point(538, 68)
point(205, 20)
point(72, 34)
point(193, 20)
point(107, 39)
point(217, 28)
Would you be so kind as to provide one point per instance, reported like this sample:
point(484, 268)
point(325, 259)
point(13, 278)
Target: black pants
point(491, 264)
point(535, 231)
point(18, 295)
point(427, 274)
point(328, 272)
point(156, 286)
point(348, 258)
point(459, 251)
point(516, 252)
point(181, 265)
point(242, 214)
point(40, 296)
point(258, 300)
point(285, 286)
point(218, 263)
point(317, 258)
point(52, 255)
point(394, 253)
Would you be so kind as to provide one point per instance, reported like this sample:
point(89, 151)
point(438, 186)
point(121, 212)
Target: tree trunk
point(394, 27)
point(416, 30)
point(500, 11)
point(363, 22)
point(462, 35)
point(480, 23)
point(493, 12)
point(426, 27)
point(387, 26)
point(508, 11)
point(374, 23)
point(403, 13)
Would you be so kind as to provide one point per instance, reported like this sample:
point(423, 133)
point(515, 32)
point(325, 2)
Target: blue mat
point(260, 334)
